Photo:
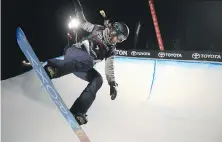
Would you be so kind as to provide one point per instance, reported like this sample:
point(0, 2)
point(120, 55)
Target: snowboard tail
point(47, 83)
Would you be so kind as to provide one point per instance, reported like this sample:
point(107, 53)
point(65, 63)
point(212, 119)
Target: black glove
point(113, 89)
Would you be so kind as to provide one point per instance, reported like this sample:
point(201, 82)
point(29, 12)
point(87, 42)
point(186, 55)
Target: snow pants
point(79, 63)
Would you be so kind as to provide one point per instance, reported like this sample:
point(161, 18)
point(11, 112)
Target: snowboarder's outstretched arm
point(85, 25)
point(109, 66)
point(109, 72)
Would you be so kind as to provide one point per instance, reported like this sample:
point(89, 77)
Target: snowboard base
point(47, 83)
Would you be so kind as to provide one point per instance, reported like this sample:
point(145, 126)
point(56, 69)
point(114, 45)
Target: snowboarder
point(80, 58)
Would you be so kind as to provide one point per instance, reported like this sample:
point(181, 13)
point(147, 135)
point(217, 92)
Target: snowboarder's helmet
point(120, 30)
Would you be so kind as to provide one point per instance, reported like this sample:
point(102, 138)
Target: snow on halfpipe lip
point(184, 105)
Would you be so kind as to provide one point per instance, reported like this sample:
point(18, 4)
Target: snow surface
point(185, 105)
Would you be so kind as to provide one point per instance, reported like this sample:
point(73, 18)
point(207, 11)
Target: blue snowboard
point(41, 73)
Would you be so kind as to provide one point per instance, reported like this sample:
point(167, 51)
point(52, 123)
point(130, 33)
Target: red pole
point(156, 25)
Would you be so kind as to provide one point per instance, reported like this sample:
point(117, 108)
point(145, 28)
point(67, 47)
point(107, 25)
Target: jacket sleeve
point(109, 66)
point(87, 26)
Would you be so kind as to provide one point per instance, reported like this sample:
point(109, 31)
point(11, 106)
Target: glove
point(106, 22)
point(113, 89)
point(102, 13)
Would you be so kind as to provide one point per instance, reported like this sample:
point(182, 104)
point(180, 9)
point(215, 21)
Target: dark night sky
point(45, 25)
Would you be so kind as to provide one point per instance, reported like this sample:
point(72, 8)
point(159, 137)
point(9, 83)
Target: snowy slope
point(185, 105)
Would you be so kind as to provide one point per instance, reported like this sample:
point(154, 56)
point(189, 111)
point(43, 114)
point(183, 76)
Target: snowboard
point(26, 48)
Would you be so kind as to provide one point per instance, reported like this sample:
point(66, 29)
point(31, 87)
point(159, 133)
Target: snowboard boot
point(51, 72)
point(81, 118)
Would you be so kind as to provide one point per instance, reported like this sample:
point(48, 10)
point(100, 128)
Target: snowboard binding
point(51, 72)
point(81, 118)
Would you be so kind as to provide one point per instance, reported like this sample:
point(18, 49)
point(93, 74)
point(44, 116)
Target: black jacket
point(96, 45)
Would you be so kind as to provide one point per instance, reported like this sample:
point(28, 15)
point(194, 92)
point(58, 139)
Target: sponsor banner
point(135, 53)
point(122, 52)
point(206, 56)
point(174, 55)
point(170, 55)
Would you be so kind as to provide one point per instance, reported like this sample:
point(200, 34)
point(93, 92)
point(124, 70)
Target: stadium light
point(74, 23)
